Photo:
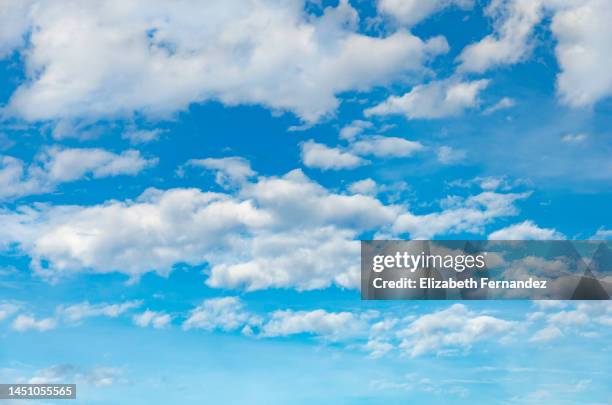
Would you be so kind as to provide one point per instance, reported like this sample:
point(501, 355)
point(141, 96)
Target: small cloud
point(502, 104)
point(448, 155)
point(574, 138)
point(323, 157)
point(141, 136)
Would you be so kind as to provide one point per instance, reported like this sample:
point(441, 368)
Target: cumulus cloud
point(55, 165)
point(92, 59)
point(83, 310)
point(275, 232)
point(323, 157)
point(526, 230)
point(411, 12)
point(365, 186)
point(463, 215)
point(23, 323)
point(7, 309)
point(453, 328)
point(448, 155)
point(157, 320)
point(329, 325)
point(514, 21)
point(225, 313)
point(355, 128)
point(386, 146)
point(437, 99)
point(229, 171)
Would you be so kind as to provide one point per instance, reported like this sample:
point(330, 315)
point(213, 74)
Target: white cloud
point(323, 157)
point(437, 99)
point(355, 128)
point(411, 12)
point(92, 59)
point(546, 334)
point(83, 310)
point(603, 234)
point(502, 104)
point(98, 376)
point(226, 313)
point(385, 146)
point(448, 155)
point(365, 186)
point(63, 165)
point(7, 309)
point(55, 165)
point(157, 320)
point(514, 21)
point(584, 40)
point(329, 325)
point(526, 230)
point(450, 329)
point(469, 215)
point(574, 138)
point(26, 322)
point(140, 136)
point(230, 171)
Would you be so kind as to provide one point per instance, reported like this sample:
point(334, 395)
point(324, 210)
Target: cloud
point(55, 165)
point(365, 186)
point(464, 215)
point(437, 99)
point(275, 232)
point(502, 104)
point(602, 234)
point(411, 12)
point(97, 376)
point(385, 146)
point(230, 171)
point(225, 313)
point(7, 309)
point(574, 138)
point(319, 156)
point(140, 136)
point(450, 329)
point(157, 320)
point(546, 334)
point(448, 156)
point(514, 21)
point(355, 128)
point(24, 323)
point(525, 230)
point(77, 312)
point(329, 325)
point(96, 60)
point(584, 40)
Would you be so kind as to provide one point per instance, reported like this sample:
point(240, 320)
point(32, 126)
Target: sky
point(183, 188)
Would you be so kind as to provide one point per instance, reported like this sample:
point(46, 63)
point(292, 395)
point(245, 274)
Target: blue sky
point(183, 186)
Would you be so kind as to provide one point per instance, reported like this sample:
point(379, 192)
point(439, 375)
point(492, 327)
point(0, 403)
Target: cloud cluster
point(106, 59)
point(56, 165)
point(275, 232)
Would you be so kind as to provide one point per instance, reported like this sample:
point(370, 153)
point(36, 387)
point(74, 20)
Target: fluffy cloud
point(320, 156)
point(584, 40)
point(157, 320)
point(27, 322)
point(226, 313)
point(357, 127)
point(526, 230)
point(106, 59)
point(464, 215)
point(229, 171)
point(55, 165)
point(329, 325)
point(323, 157)
point(514, 21)
point(410, 12)
point(282, 232)
point(365, 186)
point(7, 309)
point(450, 329)
point(78, 312)
point(437, 99)
point(386, 146)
